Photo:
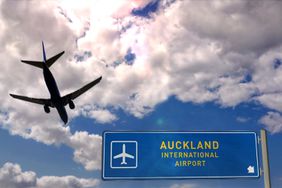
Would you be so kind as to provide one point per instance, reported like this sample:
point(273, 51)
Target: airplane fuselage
point(55, 95)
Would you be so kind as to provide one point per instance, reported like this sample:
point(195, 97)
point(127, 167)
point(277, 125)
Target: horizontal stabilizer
point(49, 61)
point(38, 64)
point(53, 59)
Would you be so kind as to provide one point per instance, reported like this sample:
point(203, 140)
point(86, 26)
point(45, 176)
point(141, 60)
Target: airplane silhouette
point(55, 101)
point(123, 155)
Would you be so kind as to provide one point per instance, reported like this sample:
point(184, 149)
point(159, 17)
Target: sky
point(167, 65)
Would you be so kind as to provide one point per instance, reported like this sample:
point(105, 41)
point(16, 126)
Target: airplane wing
point(80, 91)
point(118, 156)
point(33, 100)
point(129, 156)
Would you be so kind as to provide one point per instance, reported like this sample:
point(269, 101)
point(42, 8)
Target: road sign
point(157, 155)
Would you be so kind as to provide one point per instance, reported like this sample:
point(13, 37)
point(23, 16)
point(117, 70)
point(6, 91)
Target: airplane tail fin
point(49, 62)
point(44, 55)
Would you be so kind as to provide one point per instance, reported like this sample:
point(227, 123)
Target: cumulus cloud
point(66, 182)
point(242, 119)
point(209, 65)
point(272, 121)
point(100, 115)
point(88, 149)
point(22, 30)
point(12, 176)
point(184, 186)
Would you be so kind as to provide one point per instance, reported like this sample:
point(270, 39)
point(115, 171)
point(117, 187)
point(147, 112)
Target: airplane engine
point(71, 104)
point(46, 109)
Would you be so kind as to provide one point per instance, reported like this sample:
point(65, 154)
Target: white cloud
point(272, 121)
point(12, 176)
point(184, 186)
point(100, 115)
point(88, 149)
point(271, 100)
point(66, 182)
point(242, 119)
point(209, 65)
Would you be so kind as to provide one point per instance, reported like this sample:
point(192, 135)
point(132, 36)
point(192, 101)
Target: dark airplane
point(56, 101)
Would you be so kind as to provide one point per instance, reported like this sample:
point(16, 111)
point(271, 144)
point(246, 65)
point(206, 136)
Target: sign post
point(166, 155)
point(265, 161)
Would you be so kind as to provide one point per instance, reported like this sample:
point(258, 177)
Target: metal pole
point(265, 161)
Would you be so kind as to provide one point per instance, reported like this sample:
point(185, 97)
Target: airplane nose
point(64, 116)
point(65, 119)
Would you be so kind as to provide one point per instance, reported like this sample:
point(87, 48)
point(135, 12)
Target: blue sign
point(164, 155)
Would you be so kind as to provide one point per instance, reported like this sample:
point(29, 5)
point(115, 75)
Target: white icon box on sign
point(124, 154)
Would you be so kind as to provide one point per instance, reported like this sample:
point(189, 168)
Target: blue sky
point(166, 65)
